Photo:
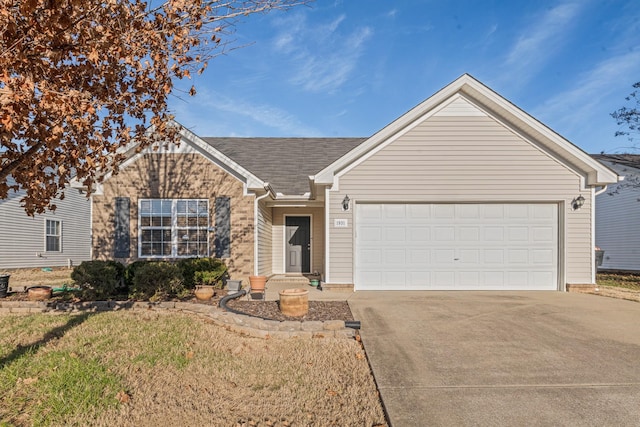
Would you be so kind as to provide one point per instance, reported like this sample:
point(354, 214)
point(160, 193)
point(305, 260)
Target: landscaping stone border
point(239, 323)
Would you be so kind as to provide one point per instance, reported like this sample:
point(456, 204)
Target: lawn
point(154, 368)
point(619, 280)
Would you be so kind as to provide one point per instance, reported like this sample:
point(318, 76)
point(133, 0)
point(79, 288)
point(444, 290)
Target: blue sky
point(350, 67)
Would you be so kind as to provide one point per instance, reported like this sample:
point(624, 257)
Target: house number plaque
point(340, 223)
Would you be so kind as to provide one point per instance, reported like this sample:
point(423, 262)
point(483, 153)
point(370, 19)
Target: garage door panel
point(420, 234)
point(394, 234)
point(494, 256)
point(493, 234)
point(469, 234)
point(469, 279)
point(418, 257)
point(444, 234)
point(394, 211)
point(444, 279)
point(457, 246)
point(494, 279)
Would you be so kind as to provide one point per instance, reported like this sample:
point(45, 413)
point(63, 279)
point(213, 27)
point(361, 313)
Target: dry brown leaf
point(189, 355)
point(123, 396)
point(29, 381)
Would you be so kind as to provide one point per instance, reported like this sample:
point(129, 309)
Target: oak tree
point(81, 79)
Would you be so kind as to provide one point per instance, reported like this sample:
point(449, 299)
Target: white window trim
point(174, 229)
point(59, 235)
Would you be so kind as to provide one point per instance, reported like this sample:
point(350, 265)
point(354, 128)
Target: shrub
point(156, 280)
point(211, 278)
point(190, 266)
point(99, 279)
point(130, 272)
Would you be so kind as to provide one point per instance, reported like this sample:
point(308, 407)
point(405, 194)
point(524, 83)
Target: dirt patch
point(26, 277)
point(614, 292)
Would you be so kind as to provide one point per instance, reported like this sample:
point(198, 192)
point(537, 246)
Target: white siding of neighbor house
point(22, 238)
point(317, 237)
point(463, 155)
point(265, 239)
point(618, 224)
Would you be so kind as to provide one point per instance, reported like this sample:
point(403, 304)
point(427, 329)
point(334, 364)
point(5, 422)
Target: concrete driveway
point(503, 358)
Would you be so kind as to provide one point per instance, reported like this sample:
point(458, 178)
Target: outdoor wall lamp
point(345, 203)
point(577, 203)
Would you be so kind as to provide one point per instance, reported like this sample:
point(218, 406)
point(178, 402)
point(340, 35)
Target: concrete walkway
point(503, 358)
point(273, 289)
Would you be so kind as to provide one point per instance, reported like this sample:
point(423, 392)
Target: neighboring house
point(52, 239)
point(618, 214)
point(464, 191)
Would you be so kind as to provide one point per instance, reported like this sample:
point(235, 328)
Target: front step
point(345, 287)
point(288, 280)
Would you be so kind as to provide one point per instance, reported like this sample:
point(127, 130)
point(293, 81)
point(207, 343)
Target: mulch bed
point(318, 310)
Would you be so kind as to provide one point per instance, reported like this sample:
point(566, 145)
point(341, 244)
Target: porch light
point(345, 203)
point(577, 203)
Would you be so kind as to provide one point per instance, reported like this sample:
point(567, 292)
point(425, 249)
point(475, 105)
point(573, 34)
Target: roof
point(625, 159)
point(489, 101)
point(285, 163)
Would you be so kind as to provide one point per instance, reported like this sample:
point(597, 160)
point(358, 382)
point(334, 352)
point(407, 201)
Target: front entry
point(298, 244)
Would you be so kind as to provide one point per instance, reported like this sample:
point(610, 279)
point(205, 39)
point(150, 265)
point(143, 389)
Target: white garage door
point(456, 246)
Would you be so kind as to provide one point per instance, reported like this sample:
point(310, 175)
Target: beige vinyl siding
point(618, 225)
point(456, 158)
point(22, 237)
point(317, 237)
point(265, 240)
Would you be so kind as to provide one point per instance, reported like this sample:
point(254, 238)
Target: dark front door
point(298, 244)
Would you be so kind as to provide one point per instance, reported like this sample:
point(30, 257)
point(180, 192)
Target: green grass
point(42, 380)
point(619, 280)
point(175, 369)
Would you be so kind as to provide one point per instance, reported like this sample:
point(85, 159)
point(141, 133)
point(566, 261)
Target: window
point(53, 235)
point(173, 228)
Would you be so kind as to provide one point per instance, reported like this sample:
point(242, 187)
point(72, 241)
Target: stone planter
point(294, 302)
point(39, 293)
point(204, 292)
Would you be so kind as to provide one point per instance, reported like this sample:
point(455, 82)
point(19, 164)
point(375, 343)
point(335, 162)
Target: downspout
point(271, 193)
point(593, 233)
point(599, 192)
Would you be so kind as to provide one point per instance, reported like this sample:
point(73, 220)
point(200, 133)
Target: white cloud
point(323, 56)
point(258, 115)
point(576, 106)
point(540, 41)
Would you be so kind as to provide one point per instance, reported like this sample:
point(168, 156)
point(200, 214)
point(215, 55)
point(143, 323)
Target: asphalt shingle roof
point(285, 163)
point(624, 159)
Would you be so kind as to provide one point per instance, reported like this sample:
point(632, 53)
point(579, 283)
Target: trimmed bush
point(99, 279)
point(130, 272)
point(189, 266)
point(156, 280)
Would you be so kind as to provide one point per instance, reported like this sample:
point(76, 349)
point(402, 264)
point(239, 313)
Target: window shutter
point(122, 236)
point(223, 227)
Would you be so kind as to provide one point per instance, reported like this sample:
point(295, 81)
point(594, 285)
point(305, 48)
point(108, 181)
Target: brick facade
point(176, 176)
